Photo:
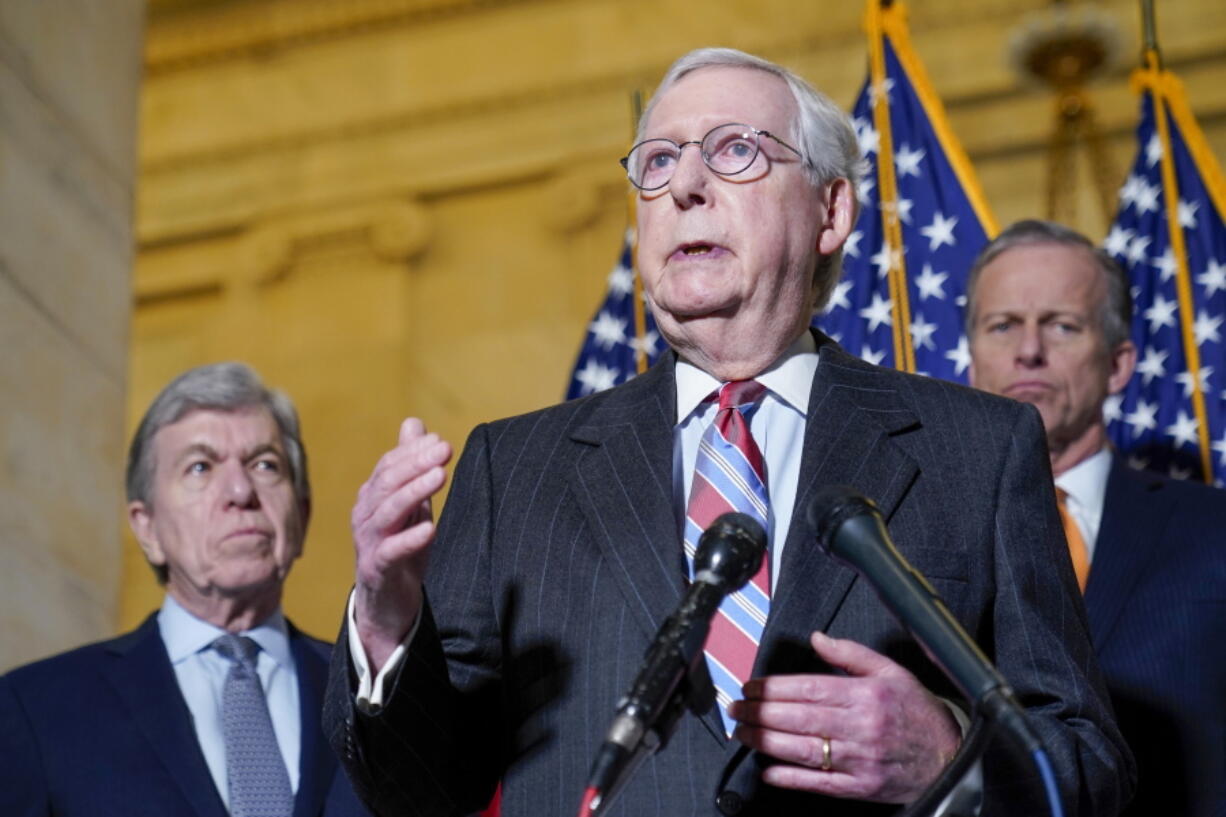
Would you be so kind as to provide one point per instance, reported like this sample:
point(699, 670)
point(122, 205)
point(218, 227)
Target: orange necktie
point(1076, 542)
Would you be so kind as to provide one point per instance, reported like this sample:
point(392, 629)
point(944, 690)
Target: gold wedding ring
point(826, 764)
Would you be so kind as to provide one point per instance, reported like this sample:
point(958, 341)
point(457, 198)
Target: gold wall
point(396, 207)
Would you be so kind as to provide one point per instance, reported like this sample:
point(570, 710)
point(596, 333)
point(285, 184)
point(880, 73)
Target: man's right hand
point(393, 526)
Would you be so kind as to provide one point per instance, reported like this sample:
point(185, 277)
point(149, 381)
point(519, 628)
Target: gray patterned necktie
point(259, 782)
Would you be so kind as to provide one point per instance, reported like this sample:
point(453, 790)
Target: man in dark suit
point(560, 550)
point(1048, 321)
point(163, 720)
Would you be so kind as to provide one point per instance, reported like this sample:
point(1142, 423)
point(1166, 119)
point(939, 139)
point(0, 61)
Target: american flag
point(1172, 415)
point(942, 215)
point(608, 355)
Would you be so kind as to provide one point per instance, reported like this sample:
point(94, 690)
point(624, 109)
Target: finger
point(828, 690)
point(803, 750)
point(833, 783)
point(853, 658)
point(410, 429)
point(405, 546)
point(406, 504)
point(396, 468)
point(791, 717)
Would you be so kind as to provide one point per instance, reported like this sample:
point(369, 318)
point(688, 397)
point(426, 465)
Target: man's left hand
point(889, 737)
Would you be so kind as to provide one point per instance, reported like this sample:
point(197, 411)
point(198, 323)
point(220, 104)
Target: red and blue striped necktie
point(730, 475)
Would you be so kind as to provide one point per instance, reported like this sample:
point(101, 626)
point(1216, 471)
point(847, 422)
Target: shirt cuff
point(372, 692)
point(966, 797)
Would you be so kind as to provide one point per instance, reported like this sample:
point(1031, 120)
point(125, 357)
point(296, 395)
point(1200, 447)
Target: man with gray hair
point(569, 533)
point(1048, 318)
point(211, 707)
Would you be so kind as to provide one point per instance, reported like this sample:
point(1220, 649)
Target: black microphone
point(729, 554)
point(849, 527)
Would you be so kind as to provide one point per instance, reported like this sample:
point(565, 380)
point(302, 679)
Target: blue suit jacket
point(103, 730)
point(1156, 600)
point(558, 556)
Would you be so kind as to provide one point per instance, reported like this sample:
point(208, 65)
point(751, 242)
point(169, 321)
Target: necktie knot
point(238, 648)
point(740, 393)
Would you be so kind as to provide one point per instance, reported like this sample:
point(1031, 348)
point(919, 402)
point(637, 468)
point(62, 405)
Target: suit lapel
point(624, 487)
point(317, 764)
point(142, 677)
point(851, 419)
point(1127, 540)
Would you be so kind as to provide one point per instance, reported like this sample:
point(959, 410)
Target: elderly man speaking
point(568, 532)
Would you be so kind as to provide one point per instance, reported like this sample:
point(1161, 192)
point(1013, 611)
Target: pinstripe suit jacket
point(558, 556)
point(1156, 600)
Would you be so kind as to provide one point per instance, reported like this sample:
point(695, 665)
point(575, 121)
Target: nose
point(688, 186)
point(1030, 352)
point(238, 488)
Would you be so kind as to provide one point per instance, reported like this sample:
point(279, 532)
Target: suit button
point(729, 803)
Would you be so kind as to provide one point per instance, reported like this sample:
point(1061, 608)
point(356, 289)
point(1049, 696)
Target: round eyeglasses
point(727, 149)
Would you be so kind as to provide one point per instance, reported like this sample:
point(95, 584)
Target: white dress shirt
point(201, 673)
point(777, 426)
point(1085, 485)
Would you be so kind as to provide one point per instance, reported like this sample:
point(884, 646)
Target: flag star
point(1187, 214)
point(931, 284)
point(646, 345)
point(904, 210)
point(875, 92)
point(1175, 472)
point(1213, 279)
point(1136, 249)
point(1143, 418)
point(596, 377)
point(1183, 430)
point(1153, 150)
point(885, 259)
point(852, 245)
point(1161, 313)
point(1147, 198)
point(1166, 265)
point(960, 355)
point(837, 337)
point(1153, 364)
point(921, 332)
point(875, 358)
point(608, 330)
point(907, 161)
point(1117, 240)
point(1113, 408)
point(1220, 447)
point(839, 296)
point(621, 280)
point(1137, 462)
point(878, 312)
point(960, 300)
point(940, 231)
point(1202, 377)
point(869, 139)
point(1206, 328)
point(1128, 193)
point(864, 191)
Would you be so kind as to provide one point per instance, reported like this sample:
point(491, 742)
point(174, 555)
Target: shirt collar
point(1086, 482)
point(185, 635)
point(790, 378)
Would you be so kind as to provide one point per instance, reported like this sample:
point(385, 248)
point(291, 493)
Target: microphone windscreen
point(831, 507)
point(730, 551)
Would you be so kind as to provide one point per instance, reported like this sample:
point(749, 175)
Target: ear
point(838, 217)
point(1123, 364)
point(140, 519)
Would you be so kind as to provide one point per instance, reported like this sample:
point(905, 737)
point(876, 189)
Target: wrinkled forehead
point(237, 432)
point(717, 95)
point(1042, 275)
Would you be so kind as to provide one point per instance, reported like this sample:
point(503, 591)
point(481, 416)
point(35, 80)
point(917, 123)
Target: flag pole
point(640, 316)
point(1152, 76)
point(904, 351)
